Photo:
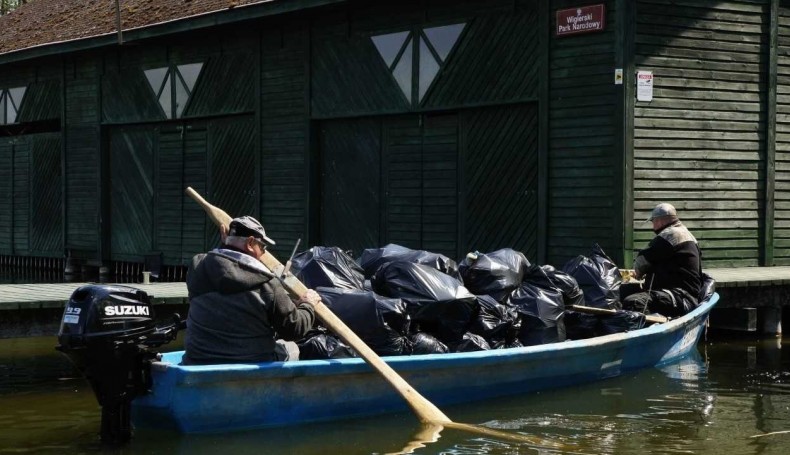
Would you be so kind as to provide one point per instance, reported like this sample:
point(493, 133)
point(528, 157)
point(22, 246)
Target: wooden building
point(442, 125)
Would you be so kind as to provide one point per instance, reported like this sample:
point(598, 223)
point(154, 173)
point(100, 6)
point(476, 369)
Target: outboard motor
point(107, 332)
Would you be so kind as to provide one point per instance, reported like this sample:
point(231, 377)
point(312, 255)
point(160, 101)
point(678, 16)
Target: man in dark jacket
point(671, 266)
point(237, 309)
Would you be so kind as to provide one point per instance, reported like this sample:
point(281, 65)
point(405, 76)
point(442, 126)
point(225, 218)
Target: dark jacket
point(672, 261)
point(237, 309)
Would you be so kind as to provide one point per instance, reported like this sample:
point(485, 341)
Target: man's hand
point(641, 267)
point(310, 297)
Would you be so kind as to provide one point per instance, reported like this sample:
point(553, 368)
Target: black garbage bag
point(622, 321)
point(438, 303)
point(541, 314)
point(423, 343)
point(496, 274)
point(328, 267)
point(496, 323)
point(380, 322)
point(571, 292)
point(580, 326)
point(708, 287)
point(373, 258)
point(598, 277)
point(324, 346)
point(470, 343)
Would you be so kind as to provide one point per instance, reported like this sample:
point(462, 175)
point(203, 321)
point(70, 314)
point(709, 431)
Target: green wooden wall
point(583, 195)
point(701, 143)
point(521, 139)
point(782, 158)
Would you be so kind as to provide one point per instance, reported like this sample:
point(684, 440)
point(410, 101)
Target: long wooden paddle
point(432, 419)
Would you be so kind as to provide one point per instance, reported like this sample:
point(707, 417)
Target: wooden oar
point(654, 318)
point(424, 409)
point(428, 414)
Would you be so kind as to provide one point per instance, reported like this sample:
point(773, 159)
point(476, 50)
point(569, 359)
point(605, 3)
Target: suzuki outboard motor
point(107, 332)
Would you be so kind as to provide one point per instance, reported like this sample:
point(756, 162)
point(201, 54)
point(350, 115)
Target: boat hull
point(212, 398)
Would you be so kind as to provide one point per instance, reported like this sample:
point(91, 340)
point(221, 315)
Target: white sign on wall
point(644, 86)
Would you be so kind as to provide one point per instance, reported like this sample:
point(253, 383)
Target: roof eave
point(204, 20)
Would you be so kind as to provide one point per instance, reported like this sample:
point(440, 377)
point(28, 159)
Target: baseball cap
point(246, 226)
point(663, 209)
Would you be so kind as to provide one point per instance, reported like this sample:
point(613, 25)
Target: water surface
point(711, 402)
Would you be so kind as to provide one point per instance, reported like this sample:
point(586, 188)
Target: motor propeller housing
point(108, 332)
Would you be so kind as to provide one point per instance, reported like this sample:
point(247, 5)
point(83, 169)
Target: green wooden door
point(501, 179)
point(350, 184)
point(46, 193)
point(390, 180)
point(421, 178)
point(217, 159)
point(31, 219)
point(180, 231)
point(131, 193)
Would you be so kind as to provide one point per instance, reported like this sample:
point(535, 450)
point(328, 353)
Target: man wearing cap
point(671, 267)
point(238, 310)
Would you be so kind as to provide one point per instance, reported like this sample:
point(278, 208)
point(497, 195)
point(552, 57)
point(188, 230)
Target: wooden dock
point(55, 295)
point(739, 277)
point(19, 296)
point(750, 296)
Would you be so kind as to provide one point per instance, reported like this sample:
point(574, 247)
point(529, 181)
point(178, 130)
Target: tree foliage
point(6, 6)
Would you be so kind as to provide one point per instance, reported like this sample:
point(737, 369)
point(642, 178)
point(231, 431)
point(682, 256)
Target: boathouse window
point(10, 102)
point(400, 49)
point(173, 86)
point(393, 47)
point(435, 46)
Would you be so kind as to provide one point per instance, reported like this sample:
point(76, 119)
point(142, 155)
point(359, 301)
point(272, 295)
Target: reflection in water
point(711, 402)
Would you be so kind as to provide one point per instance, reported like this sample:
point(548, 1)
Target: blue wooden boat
point(241, 396)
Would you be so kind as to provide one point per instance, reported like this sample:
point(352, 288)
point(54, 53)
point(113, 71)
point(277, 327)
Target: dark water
point(713, 402)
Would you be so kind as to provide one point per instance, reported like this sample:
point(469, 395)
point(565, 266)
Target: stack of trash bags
point(401, 301)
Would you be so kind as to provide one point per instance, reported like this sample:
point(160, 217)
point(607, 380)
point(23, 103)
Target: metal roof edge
point(198, 21)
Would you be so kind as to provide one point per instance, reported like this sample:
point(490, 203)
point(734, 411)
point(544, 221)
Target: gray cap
point(245, 226)
point(662, 210)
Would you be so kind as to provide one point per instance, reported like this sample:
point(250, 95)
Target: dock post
point(772, 320)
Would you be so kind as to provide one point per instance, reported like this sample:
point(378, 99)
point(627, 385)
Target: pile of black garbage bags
point(402, 301)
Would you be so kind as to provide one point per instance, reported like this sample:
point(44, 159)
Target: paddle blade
point(217, 215)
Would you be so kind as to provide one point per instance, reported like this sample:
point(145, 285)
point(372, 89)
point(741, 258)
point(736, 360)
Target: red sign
point(583, 19)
